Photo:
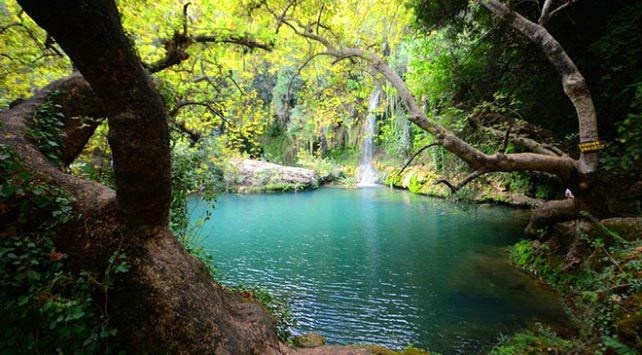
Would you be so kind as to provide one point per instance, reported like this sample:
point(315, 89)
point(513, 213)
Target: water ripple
point(377, 266)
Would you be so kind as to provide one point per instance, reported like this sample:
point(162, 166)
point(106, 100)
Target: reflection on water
point(380, 266)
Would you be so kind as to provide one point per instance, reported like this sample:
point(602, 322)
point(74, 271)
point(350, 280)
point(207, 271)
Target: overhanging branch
point(176, 47)
point(563, 167)
point(574, 84)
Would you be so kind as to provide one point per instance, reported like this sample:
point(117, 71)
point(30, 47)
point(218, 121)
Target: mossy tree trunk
point(168, 301)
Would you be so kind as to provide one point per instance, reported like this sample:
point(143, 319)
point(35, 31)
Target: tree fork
point(139, 136)
point(168, 301)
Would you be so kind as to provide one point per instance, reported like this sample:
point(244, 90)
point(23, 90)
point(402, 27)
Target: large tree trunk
point(168, 302)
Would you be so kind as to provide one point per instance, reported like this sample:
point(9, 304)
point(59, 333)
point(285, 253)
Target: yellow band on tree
point(591, 146)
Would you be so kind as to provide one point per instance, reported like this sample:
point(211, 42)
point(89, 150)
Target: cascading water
point(367, 172)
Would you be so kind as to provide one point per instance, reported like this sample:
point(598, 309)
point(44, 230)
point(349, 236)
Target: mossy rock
point(627, 228)
point(380, 350)
point(629, 324)
point(309, 340)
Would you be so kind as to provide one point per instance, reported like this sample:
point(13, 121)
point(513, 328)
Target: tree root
point(550, 213)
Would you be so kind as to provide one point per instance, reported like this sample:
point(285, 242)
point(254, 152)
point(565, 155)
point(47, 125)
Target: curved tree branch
point(414, 156)
point(176, 47)
point(548, 12)
point(91, 198)
point(193, 135)
point(564, 167)
point(574, 84)
point(528, 143)
point(454, 188)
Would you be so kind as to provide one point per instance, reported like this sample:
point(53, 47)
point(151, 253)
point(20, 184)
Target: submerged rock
point(258, 176)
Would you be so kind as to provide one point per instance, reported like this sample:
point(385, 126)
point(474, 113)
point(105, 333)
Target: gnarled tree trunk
point(168, 302)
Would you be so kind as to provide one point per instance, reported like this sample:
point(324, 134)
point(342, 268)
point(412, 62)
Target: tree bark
point(167, 302)
point(574, 83)
point(91, 34)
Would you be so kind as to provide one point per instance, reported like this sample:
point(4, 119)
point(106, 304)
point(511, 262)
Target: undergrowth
point(45, 129)
point(44, 306)
point(602, 296)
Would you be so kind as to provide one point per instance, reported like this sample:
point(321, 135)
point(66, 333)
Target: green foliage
point(408, 350)
point(600, 294)
point(46, 129)
point(617, 346)
point(544, 191)
point(345, 155)
point(326, 169)
point(624, 156)
point(94, 162)
point(25, 64)
point(43, 305)
point(540, 341)
point(275, 149)
point(193, 172)
point(517, 181)
point(395, 135)
point(276, 306)
point(416, 184)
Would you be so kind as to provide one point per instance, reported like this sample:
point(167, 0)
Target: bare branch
point(561, 7)
point(208, 105)
point(283, 14)
point(506, 136)
point(27, 30)
point(548, 13)
point(185, 19)
point(414, 156)
point(301, 67)
point(319, 18)
point(242, 40)
point(525, 142)
point(454, 188)
point(49, 44)
point(546, 9)
point(176, 47)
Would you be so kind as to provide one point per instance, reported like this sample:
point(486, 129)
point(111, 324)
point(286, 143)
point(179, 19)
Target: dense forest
point(117, 115)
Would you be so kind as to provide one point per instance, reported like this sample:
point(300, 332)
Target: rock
point(627, 228)
point(258, 176)
point(309, 340)
point(536, 244)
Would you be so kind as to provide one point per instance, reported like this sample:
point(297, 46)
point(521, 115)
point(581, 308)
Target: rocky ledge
point(252, 176)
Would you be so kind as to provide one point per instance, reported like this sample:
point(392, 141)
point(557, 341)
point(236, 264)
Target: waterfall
point(367, 172)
